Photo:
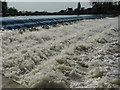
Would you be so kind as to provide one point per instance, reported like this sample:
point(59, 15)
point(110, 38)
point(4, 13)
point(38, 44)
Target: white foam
point(78, 55)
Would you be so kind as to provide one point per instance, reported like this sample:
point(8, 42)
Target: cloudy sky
point(47, 0)
point(46, 6)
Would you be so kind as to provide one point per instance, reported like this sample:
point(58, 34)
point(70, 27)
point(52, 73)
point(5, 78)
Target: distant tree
point(12, 11)
point(115, 3)
point(62, 11)
point(119, 3)
point(83, 8)
point(110, 7)
point(93, 3)
point(0, 8)
point(69, 10)
point(4, 7)
point(119, 6)
point(77, 10)
point(20, 12)
point(27, 12)
point(103, 6)
point(36, 12)
point(79, 6)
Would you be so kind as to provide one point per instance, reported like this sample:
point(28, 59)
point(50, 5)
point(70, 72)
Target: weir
point(24, 23)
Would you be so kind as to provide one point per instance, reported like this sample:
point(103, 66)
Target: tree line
point(97, 8)
point(106, 7)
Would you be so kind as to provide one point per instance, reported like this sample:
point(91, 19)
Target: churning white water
point(81, 55)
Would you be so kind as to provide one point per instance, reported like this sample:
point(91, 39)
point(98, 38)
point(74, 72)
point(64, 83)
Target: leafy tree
point(12, 11)
point(104, 7)
point(62, 11)
point(20, 12)
point(83, 8)
point(119, 4)
point(4, 7)
point(79, 6)
point(77, 10)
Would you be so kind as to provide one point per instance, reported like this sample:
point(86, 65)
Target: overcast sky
point(47, 0)
point(46, 6)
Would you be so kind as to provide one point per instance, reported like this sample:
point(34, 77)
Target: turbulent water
point(82, 55)
point(0, 60)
